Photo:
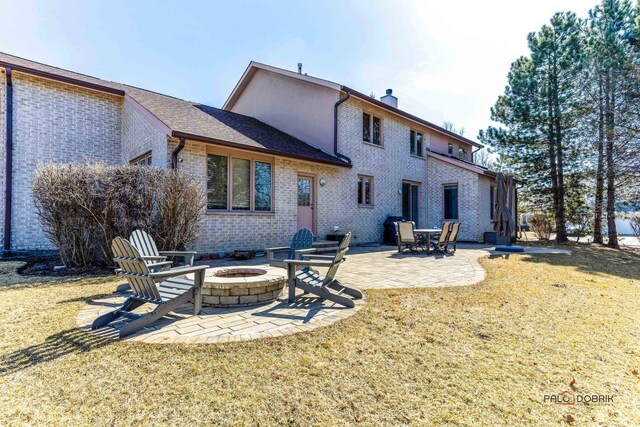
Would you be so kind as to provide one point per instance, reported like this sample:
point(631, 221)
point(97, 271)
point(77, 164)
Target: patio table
point(425, 233)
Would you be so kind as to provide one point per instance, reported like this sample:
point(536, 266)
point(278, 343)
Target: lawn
point(480, 355)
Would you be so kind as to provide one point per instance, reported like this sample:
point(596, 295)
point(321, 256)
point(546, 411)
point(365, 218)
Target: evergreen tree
point(540, 111)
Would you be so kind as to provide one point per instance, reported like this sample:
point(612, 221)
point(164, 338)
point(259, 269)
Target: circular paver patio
point(217, 325)
point(366, 268)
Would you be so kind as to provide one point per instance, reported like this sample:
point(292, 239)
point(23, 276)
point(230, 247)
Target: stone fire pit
point(225, 287)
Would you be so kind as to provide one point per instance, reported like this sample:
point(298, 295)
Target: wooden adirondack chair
point(327, 287)
point(149, 251)
point(302, 242)
point(166, 289)
point(440, 245)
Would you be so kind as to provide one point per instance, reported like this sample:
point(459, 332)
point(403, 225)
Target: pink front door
point(306, 202)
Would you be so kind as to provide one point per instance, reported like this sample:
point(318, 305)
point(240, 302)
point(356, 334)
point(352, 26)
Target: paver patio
point(378, 267)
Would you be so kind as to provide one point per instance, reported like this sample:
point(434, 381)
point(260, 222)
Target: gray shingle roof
point(189, 119)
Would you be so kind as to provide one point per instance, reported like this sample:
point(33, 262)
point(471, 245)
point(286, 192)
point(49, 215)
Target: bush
point(83, 207)
point(542, 226)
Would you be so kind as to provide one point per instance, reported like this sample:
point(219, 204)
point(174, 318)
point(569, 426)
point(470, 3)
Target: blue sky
point(444, 60)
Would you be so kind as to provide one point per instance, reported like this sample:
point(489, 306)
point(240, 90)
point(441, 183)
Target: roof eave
point(209, 140)
point(409, 116)
point(63, 79)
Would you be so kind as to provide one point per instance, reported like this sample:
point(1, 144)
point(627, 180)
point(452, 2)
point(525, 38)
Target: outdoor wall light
point(400, 191)
point(323, 182)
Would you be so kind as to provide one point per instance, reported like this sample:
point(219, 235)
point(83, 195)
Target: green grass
point(478, 355)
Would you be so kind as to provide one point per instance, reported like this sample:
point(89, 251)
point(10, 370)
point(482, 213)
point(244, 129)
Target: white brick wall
point(55, 122)
point(139, 136)
point(473, 205)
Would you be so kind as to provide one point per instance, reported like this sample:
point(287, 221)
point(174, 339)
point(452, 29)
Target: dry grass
point(485, 354)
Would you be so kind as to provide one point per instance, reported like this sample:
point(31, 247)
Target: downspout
point(335, 129)
point(175, 152)
point(9, 165)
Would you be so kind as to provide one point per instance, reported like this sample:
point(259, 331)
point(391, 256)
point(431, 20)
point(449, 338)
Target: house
point(286, 151)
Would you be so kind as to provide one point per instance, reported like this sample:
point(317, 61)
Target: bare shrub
point(542, 226)
point(83, 207)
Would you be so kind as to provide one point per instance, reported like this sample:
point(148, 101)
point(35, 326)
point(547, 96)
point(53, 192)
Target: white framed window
point(462, 153)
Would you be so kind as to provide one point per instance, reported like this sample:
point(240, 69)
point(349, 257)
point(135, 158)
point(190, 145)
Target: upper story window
point(238, 184)
point(450, 148)
point(417, 143)
point(451, 201)
point(371, 129)
point(462, 153)
point(365, 190)
point(144, 160)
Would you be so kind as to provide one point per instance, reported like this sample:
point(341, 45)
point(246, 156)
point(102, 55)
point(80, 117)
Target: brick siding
point(55, 122)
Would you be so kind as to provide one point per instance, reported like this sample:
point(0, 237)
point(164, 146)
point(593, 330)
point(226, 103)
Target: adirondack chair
point(406, 237)
point(301, 243)
point(327, 287)
point(149, 251)
point(453, 238)
point(440, 245)
point(166, 289)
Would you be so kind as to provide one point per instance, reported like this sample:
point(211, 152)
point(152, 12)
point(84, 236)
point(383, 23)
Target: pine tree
point(539, 113)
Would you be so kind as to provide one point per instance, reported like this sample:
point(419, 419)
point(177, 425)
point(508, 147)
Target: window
point(450, 148)
point(144, 160)
point(366, 127)
point(450, 202)
point(365, 190)
point(371, 129)
point(462, 153)
point(417, 141)
point(262, 190)
point(410, 198)
point(241, 190)
point(238, 184)
point(217, 176)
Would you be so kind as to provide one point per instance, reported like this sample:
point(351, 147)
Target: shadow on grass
point(594, 260)
point(71, 341)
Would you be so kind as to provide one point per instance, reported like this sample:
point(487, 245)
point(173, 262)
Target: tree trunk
point(597, 220)
point(561, 226)
point(611, 175)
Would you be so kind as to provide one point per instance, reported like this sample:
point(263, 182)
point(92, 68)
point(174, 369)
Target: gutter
point(9, 163)
point(335, 128)
point(175, 152)
point(63, 79)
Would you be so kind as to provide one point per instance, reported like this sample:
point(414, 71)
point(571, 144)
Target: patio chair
point(166, 289)
point(453, 237)
point(301, 243)
point(149, 251)
point(439, 245)
point(327, 287)
point(405, 236)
